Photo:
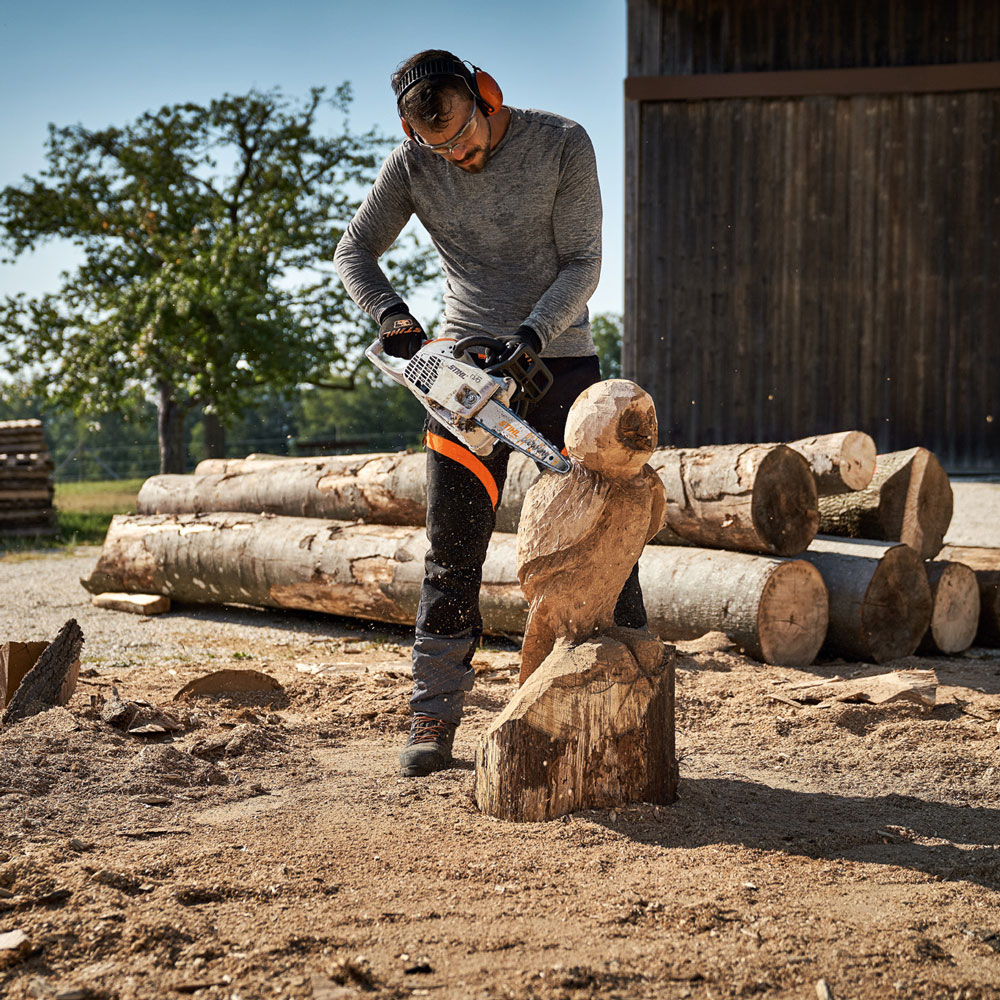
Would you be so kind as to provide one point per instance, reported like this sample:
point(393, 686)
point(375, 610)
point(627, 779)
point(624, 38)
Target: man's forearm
point(565, 299)
point(364, 280)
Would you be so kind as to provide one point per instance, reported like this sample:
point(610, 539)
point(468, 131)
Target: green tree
point(606, 329)
point(208, 235)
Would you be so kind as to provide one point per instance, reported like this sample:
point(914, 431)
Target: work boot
point(429, 747)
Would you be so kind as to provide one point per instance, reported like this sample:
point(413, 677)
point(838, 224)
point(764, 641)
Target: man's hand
point(525, 337)
point(400, 334)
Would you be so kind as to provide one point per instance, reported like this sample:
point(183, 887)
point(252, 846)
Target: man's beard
point(469, 164)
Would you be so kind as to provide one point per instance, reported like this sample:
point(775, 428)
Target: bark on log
point(840, 463)
point(909, 500)
point(592, 728)
point(385, 488)
point(52, 678)
point(752, 498)
point(985, 563)
point(954, 607)
point(380, 488)
point(375, 571)
point(775, 610)
point(880, 600)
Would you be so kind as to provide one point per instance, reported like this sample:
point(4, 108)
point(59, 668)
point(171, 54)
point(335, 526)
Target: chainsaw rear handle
point(530, 373)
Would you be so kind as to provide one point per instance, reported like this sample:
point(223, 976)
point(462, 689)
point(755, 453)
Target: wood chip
point(228, 682)
point(136, 604)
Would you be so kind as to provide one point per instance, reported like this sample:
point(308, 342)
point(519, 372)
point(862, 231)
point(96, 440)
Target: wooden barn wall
point(802, 265)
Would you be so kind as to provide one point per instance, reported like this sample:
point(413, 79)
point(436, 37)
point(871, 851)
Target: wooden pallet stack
point(26, 488)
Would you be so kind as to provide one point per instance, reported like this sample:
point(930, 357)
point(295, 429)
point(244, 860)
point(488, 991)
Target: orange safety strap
point(465, 457)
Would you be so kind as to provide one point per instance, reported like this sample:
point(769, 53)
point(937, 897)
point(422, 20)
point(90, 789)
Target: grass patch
point(83, 513)
point(113, 496)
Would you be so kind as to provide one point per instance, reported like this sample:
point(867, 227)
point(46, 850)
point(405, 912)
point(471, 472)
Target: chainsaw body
point(473, 403)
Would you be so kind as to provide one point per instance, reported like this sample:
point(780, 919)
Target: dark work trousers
point(463, 491)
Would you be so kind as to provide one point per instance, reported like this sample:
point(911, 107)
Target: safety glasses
point(449, 147)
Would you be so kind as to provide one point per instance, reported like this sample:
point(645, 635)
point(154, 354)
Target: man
point(511, 201)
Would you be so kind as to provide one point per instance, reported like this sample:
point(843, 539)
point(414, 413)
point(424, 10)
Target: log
point(840, 463)
point(954, 608)
point(387, 488)
point(753, 498)
point(880, 600)
point(592, 728)
point(375, 571)
point(774, 610)
point(909, 500)
point(985, 563)
point(359, 570)
point(380, 488)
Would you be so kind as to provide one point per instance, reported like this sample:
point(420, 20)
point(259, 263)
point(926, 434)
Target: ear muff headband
point(484, 89)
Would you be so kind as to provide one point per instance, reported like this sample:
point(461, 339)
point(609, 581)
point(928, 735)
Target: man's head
point(445, 107)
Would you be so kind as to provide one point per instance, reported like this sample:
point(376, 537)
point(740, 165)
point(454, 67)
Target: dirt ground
point(269, 849)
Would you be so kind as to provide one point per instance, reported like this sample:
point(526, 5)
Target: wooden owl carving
point(581, 533)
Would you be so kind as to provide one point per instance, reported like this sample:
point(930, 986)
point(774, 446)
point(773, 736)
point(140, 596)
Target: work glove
point(525, 337)
point(400, 334)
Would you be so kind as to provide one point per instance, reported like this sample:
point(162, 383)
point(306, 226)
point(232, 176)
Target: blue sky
point(105, 62)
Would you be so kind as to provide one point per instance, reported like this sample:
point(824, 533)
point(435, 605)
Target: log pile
point(25, 480)
point(344, 535)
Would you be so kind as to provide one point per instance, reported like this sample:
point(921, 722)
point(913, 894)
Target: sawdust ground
point(284, 857)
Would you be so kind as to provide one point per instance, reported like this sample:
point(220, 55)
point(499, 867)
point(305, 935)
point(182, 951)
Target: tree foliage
point(207, 234)
point(606, 329)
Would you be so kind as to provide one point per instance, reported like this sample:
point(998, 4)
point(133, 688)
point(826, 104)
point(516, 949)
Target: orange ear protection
point(484, 89)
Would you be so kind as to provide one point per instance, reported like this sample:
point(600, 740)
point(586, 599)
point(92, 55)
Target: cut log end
point(921, 502)
point(785, 508)
point(955, 609)
point(897, 605)
point(793, 615)
point(857, 460)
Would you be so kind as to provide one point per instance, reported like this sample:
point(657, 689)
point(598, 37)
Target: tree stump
point(954, 608)
point(880, 600)
point(909, 500)
point(591, 728)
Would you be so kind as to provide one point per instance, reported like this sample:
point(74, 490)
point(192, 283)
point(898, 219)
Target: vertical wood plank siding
point(799, 265)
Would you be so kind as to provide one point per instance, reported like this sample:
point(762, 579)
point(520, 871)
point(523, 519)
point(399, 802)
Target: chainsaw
point(480, 403)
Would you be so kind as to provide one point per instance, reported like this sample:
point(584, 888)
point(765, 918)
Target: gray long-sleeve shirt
point(520, 242)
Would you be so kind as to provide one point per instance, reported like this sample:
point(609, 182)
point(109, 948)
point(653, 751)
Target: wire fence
point(82, 462)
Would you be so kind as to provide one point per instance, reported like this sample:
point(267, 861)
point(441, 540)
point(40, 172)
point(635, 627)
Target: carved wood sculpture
point(581, 533)
point(909, 500)
point(592, 724)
